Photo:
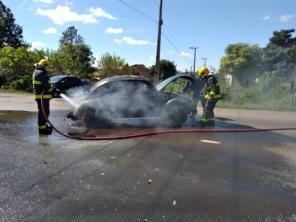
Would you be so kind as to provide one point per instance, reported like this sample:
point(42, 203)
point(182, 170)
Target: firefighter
point(41, 84)
point(195, 86)
point(210, 94)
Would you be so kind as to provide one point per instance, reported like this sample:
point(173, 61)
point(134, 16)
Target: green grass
point(9, 90)
point(274, 105)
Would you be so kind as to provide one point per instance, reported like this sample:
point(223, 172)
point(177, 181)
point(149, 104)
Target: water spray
point(69, 100)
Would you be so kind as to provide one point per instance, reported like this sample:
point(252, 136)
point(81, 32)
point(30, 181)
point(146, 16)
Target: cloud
point(132, 41)
point(44, 1)
point(99, 12)
point(185, 54)
point(267, 17)
point(114, 30)
point(286, 18)
point(64, 14)
point(50, 30)
point(38, 45)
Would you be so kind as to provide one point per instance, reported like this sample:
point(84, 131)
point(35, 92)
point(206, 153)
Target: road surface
point(176, 177)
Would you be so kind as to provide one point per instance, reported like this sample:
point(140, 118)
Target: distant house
point(141, 70)
point(228, 79)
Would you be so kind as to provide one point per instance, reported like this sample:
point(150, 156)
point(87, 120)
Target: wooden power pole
point(157, 64)
point(194, 57)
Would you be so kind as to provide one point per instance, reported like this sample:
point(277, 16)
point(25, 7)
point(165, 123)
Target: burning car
point(120, 100)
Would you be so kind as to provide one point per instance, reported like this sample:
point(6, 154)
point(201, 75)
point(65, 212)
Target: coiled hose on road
point(159, 131)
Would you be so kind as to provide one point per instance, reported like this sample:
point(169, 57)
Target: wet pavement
point(175, 177)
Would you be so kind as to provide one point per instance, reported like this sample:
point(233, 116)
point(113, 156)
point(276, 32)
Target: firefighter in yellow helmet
point(209, 95)
point(41, 83)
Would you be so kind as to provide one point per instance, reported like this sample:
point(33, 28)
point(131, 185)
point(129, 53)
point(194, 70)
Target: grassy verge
point(13, 91)
point(274, 105)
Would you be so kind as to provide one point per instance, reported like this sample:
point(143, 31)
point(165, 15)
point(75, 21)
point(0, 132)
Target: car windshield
point(56, 78)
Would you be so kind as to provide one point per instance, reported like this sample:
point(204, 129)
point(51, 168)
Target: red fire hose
point(158, 131)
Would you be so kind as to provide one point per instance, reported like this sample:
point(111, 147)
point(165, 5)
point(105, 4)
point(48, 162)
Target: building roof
point(141, 70)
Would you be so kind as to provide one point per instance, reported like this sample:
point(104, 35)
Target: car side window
point(73, 81)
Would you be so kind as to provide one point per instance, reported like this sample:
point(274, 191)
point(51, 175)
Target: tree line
point(73, 57)
point(261, 75)
point(246, 62)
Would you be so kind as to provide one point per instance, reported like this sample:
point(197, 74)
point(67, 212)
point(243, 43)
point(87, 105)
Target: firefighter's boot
point(203, 121)
point(45, 131)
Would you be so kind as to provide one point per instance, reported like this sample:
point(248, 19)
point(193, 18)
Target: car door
point(144, 99)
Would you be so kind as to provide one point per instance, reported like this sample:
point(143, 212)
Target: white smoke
point(118, 99)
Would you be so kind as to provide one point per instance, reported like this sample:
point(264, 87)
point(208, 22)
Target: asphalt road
point(176, 177)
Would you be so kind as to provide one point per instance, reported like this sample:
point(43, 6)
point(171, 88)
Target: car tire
point(173, 115)
point(92, 120)
point(89, 117)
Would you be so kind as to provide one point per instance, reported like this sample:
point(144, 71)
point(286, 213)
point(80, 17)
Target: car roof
point(63, 76)
point(121, 78)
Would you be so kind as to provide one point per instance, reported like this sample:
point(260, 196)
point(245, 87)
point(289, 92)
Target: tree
point(11, 34)
point(242, 61)
point(17, 65)
point(280, 54)
point(282, 38)
point(74, 60)
point(71, 36)
point(73, 57)
point(167, 69)
point(113, 65)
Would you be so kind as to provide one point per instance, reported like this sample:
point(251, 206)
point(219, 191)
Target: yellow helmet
point(44, 62)
point(203, 71)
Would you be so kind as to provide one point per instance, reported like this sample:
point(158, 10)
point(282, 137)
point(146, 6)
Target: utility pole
point(205, 61)
point(157, 63)
point(194, 58)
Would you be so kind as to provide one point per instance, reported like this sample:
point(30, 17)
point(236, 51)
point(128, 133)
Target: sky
point(128, 28)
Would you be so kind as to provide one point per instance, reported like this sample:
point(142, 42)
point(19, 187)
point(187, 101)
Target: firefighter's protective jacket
point(196, 86)
point(41, 83)
point(211, 89)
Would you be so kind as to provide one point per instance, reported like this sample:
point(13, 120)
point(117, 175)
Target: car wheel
point(89, 117)
point(173, 115)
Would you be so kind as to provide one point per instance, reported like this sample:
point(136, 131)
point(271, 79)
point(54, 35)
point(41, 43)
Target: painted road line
point(210, 141)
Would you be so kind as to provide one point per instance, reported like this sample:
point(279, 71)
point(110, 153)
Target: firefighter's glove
point(212, 94)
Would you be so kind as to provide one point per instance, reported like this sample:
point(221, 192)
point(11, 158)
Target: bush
point(261, 96)
point(24, 84)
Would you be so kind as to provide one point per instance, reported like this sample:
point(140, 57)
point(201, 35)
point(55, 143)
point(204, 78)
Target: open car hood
point(160, 86)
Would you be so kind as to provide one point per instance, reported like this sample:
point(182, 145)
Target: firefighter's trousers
point(208, 106)
point(41, 120)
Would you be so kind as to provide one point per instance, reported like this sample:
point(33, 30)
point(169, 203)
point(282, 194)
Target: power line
point(152, 3)
point(152, 19)
point(184, 24)
point(174, 46)
point(174, 24)
point(174, 33)
point(137, 10)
